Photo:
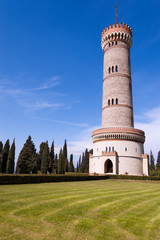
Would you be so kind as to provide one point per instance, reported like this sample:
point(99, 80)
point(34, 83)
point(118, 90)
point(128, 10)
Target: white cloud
point(152, 130)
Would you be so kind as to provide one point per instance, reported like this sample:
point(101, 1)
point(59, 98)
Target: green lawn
point(105, 209)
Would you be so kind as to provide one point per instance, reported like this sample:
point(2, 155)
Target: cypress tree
point(152, 165)
point(71, 166)
point(77, 168)
point(42, 145)
point(11, 159)
point(82, 168)
point(86, 161)
point(55, 165)
point(5, 156)
point(45, 159)
point(65, 157)
point(1, 150)
point(158, 164)
point(79, 164)
point(27, 157)
point(61, 162)
point(51, 160)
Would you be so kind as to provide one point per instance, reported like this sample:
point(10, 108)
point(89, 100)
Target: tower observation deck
point(118, 146)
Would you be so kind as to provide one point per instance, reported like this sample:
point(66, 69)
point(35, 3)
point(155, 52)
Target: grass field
point(106, 209)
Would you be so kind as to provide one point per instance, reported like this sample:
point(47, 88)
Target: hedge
point(35, 178)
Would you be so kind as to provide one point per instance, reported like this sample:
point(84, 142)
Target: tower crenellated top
point(117, 31)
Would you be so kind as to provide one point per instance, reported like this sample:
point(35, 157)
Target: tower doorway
point(108, 166)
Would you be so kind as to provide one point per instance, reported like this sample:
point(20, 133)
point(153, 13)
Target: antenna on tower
point(116, 15)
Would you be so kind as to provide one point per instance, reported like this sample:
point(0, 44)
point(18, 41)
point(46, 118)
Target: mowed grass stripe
point(80, 210)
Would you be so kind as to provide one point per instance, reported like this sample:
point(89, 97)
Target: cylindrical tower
point(117, 146)
point(117, 108)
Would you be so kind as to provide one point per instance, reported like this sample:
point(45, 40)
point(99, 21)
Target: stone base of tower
point(118, 151)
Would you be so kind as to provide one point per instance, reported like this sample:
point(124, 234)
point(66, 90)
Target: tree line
point(45, 161)
point(7, 157)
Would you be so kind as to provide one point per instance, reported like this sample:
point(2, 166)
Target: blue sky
point(51, 65)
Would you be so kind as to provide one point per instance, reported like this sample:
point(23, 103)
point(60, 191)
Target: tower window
point(112, 68)
point(112, 43)
point(106, 149)
point(109, 70)
point(109, 149)
point(126, 149)
point(112, 149)
point(116, 100)
point(109, 44)
point(109, 102)
point(116, 68)
point(116, 42)
point(112, 101)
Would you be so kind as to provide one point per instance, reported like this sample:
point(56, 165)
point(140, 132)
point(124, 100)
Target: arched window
point(112, 101)
point(112, 149)
point(126, 149)
point(109, 149)
point(108, 101)
point(112, 43)
point(112, 68)
point(116, 68)
point(109, 70)
point(109, 44)
point(116, 100)
point(106, 149)
point(116, 42)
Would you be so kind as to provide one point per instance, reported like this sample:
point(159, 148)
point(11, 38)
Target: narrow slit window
point(109, 149)
point(116, 42)
point(109, 102)
point(112, 101)
point(126, 149)
point(109, 70)
point(116, 100)
point(116, 68)
point(109, 44)
point(112, 68)
point(106, 149)
point(112, 43)
point(112, 149)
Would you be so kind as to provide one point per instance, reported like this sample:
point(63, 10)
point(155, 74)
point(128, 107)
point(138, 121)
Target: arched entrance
point(108, 166)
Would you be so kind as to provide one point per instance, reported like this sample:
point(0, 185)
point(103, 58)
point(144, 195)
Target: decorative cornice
point(117, 105)
point(118, 134)
point(111, 75)
point(119, 36)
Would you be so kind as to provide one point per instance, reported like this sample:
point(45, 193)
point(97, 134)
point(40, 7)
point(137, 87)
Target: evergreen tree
point(45, 159)
point(79, 164)
point(5, 156)
point(158, 164)
point(51, 160)
point(77, 168)
point(86, 161)
point(65, 157)
point(26, 157)
point(42, 145)
point(1, 147)
point(11, 159)
point(55, 165)
point(152, 166)
point(61, 162)
point(82, 167)
point(1, 150)
point(71, 166)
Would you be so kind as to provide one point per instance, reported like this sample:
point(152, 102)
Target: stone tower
point(117, 146)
